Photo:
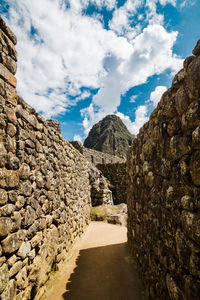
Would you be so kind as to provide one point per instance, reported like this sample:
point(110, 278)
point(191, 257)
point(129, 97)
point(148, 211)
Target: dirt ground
point(100, 268)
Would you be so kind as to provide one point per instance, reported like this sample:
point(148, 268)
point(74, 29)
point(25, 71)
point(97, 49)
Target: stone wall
point(113, 171)
point(116, 175)
point(44, 189)
point(164, 191)
point(96, 157)
point(100, 192)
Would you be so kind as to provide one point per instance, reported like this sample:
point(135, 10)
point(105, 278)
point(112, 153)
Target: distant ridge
point(109, 135)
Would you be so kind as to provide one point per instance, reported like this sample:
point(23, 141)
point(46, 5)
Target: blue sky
point(80, 60)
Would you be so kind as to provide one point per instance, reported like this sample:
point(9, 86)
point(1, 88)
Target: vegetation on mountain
point(109, 135)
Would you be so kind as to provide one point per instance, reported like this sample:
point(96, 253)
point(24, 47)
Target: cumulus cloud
point(140, 119)
point(152, 54)
point(77, 137)
point(157, 93)
point(133, 98)
point(62, 50)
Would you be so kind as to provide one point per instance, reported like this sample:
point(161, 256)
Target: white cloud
point(120, 22)
point(157, 93)
point(152, 54)
point(164, 2)
point(83, 96)
point(140, 119)
point(77, 137)
point(66, 53)
point(186, 3)
point(71, 50)
point(133, 98)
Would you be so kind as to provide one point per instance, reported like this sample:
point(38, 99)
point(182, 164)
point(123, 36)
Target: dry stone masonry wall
point(116, 175)
point(109, 176)
point(164, 191)
point(97, 157)
point(44, 188)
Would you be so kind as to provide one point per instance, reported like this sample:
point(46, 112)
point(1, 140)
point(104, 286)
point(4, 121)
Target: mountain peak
point(109, 135)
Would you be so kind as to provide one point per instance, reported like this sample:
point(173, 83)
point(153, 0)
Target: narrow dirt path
point(100, 269)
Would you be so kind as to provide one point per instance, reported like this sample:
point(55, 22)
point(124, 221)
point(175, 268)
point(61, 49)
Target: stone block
point(4, 277)
point(29, 217)
point(7, 75)
point(10, 291)
point(7, 210)
point(21, 279)
point(175, 292)
point(5, 226)
point(9, 178)
point(196, 50)
point(24, 249)
point(3, 197)
point(13, 242)
point(195, 168)
point(15, 268)
point(191, 225)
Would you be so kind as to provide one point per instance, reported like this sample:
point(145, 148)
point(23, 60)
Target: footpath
point(100, 268)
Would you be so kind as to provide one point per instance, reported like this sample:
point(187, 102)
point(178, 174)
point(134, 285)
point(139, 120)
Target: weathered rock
point(24, 171)
point(21, 279)
point(9, 179)
point(13, 242)
point(5, 226)
point(196, 50)
point(29, 217)
point(16, 218)
point(4, 277)
point(15, 268)
point(12, 163)
point(7, 210)
point(3, 197)
point(195, 168)
point(174, 291)
point(11, 130)
point(12, 260)
point(24, 249)
point(10, 291)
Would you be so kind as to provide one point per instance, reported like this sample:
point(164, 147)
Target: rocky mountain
point(109, 135)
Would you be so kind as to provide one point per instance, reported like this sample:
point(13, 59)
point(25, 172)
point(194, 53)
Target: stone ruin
point(163, 190)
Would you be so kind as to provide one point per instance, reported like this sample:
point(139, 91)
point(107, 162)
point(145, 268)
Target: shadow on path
point(104, 273)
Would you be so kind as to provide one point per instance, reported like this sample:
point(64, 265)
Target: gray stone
point(7, 210)
point(20, 202)
point(3, 197)
point(25, 188)
point(21, 279)
point(5, 226)
point(29, 217)
point(24, 249)
point(12, 163)
point(16, 218)
point(15, 268)
point(12, 196)
point(11, 130)
point(24, 171)
point(4, 277)
point(174, 291)
point(10, 291)
point(196, 50)
point(13, 242)
point(12, 260)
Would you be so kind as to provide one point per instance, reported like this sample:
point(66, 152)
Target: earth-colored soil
point(100, 268)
